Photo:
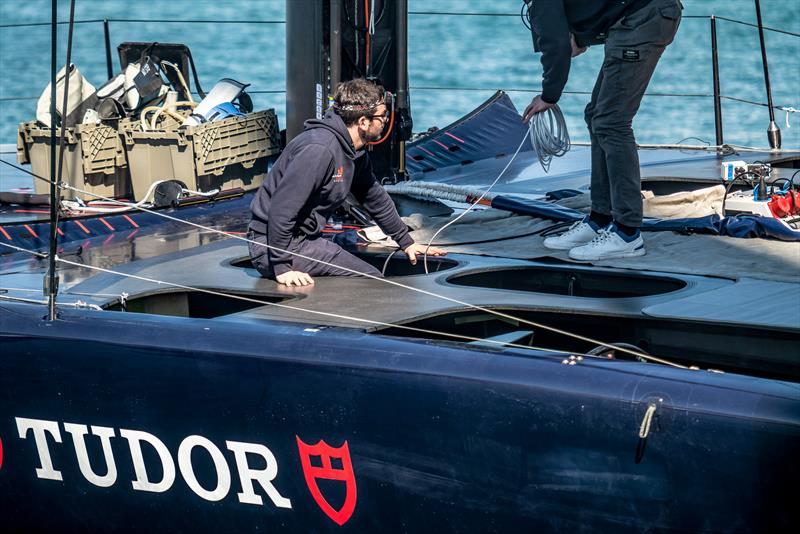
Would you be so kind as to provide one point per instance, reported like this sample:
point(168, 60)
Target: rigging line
point(65, 292)
point(200, 21)
point(78, 304)
point(377, 278)
point(476, 202)
point(763, 104)
point(756, 26)
point(276, 304)
point(31, 24)
point(443, 13)
point(20, 299)
point(460, 14)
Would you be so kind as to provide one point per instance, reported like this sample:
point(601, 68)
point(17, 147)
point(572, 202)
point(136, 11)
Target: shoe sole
point(565, 247)
point(617, 255)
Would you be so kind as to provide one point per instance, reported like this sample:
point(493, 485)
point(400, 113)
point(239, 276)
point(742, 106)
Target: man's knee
point(611, 127)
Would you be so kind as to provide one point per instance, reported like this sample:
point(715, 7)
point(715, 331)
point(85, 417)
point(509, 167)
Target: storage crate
point(215, 155)
point(94, 159)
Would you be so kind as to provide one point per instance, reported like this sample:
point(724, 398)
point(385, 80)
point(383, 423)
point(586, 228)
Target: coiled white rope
point(549, 135)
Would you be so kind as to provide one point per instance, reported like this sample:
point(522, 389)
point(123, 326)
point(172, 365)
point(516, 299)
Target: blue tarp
point(747, 226)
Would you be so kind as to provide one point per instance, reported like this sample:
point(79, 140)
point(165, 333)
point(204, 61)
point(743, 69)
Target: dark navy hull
point(440, 437)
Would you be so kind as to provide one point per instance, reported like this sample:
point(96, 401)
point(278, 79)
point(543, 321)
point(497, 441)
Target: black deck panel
point(364, 298)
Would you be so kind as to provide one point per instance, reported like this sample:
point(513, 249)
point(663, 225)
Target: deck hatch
point(569, 281)
point(194, 304)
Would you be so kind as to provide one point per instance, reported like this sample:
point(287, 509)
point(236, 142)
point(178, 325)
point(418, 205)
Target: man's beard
point(372, 137)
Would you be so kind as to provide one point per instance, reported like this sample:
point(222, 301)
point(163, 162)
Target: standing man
point(635, 34)
point(311, 179)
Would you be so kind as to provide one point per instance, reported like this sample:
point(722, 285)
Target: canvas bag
point(81, 97)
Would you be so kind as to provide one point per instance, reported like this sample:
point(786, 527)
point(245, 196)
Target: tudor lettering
point(44, 431)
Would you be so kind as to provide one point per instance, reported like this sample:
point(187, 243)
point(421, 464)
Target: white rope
point(384, 280)
point(475, 203)
point(644, 428)
point(549, 135)
point(74, 206)
point(372, 17)
point(78, 304)
point(79, 206)
point(707, 148)
point(427, 190)
point(20, 299)
point(789, 110)
point(82, 304)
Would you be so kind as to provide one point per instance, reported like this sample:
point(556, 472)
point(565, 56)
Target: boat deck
point(736, 302)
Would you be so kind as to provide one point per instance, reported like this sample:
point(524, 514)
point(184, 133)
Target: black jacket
point(553, 20)
point(312, 178)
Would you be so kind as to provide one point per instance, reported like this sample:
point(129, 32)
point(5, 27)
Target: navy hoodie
point(309, 181)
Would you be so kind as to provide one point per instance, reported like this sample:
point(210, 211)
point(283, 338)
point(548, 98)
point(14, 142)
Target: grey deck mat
point(493, 232)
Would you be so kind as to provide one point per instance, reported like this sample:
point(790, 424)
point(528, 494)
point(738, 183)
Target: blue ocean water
point(471, 55)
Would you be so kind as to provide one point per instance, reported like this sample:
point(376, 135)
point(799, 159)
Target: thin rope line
point(20, 299)
point(367, 275)
point(476, 202)
point(264, 303)
point(424, 13)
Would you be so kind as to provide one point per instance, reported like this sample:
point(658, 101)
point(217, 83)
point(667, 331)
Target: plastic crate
point(215, 155)
point(94, 159)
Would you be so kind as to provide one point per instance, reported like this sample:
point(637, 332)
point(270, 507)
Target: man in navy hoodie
point(311, 179)
point(634, 34)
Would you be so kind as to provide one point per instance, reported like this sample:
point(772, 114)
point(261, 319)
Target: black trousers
point(632, 50)
point(315, 250)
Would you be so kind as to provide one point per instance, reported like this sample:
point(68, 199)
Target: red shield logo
point(328, 472)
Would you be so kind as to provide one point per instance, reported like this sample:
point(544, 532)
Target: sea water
point(469, 56)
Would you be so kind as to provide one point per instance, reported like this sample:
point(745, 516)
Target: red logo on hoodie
point(338, 176)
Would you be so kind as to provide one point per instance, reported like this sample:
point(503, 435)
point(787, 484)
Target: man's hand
point(576, 50)
point(415, 248)
point(537, 105)
point(294, 278)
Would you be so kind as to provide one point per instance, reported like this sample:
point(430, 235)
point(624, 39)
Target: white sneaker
point(578, 234)
point(610, 243)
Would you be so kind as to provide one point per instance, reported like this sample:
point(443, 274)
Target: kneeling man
point(311, 179)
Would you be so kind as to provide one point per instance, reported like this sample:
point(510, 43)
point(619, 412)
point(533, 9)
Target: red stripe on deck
point(106, 223)
point(31, 211)
point(454, 137)
point(131, 221)
point(444, 146)
point(2, 230)
point(59, 231)
point(82, 227)
point(34, 234)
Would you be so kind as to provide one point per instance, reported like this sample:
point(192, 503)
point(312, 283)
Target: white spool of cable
point(549, 135)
